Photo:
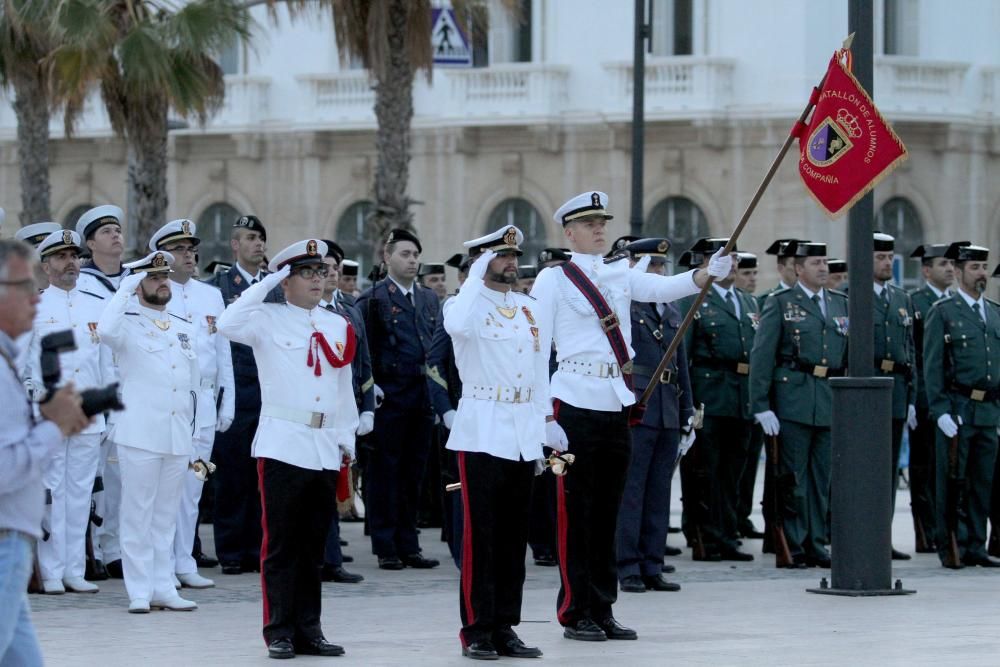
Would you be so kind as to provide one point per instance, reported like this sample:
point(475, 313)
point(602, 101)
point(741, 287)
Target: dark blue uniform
point(237, 501)
point(643, 518)
point(399, 338)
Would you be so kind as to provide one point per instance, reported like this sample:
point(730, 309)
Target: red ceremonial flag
point(847, 147)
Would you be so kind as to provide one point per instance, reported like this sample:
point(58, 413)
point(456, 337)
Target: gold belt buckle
point(657, 334)
point(888, 365)
point(977, 394)
point(517, 395)
point(820, 371)
point(609, 322)
point(318, 420)
point(743, 368)
point(667, 376)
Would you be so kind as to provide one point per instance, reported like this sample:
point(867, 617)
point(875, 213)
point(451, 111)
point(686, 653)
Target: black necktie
point(979, 313)
point(819, 303)
point(729, 303)
point(409, 297)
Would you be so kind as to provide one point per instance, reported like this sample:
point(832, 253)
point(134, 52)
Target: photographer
point(69, 474)
point(24, 447)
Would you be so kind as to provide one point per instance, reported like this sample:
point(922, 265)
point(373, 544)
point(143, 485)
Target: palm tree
point(148, 58)
point(24, 43)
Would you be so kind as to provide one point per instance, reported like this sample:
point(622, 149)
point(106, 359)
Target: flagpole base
point(824, 589)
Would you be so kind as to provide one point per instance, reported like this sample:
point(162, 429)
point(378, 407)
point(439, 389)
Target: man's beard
point(155, 299)
point(505, 278)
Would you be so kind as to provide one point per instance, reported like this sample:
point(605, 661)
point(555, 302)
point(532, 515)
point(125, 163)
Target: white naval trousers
point(151, 489)
point(107, 547)
point(69, 478)
point(187, 515)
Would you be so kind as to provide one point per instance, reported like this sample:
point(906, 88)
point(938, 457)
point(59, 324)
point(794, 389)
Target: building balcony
point(345, 98)
point(675, 86)
point(990, 91)
point(915, 88)
point(499, 94)
point(247, 103)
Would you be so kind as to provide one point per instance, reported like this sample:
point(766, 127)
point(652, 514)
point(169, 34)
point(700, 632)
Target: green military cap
point(810, 249)
point(931, 250)
point(747, 260)
point(430, 269)
point(963, 251)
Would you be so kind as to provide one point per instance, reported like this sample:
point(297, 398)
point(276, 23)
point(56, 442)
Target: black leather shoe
point(545, 559)
point(347, 559)
point(318, 646)
point(673, 530)
point(737, 555)
point(205, 561)
point(632, 584)
point(418, 562)
point(750, 532)
point(585, 630)
point(250, 565)
point(339, 575)
point(799, 562)
point(231, 567)
point(511, 646)
point(483, 650)
point(818, 561)
point(114, 569)
point(390, 563)
point(980, 560)
point(667, 569)
point(671, 551)
point(712, 556)
point(96, 571)
point(615, 630)
point(899, 555)
point(281, 649)
point(658, 583)
point(343, 542)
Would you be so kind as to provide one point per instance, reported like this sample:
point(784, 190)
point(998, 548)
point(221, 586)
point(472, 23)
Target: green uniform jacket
point(893, 324)
point(922, 300)
point(960, 348)
point(718, 347)
point(792, 329)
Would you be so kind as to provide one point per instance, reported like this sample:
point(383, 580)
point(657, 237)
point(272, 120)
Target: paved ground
point(726, 614)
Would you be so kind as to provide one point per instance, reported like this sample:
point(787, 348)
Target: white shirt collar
point(969, 300)
point(810, 293)
point(723, 291)
point(246, 275)
point(402, 289)
point(938, 293)
point(782, 285)
point(878, 289)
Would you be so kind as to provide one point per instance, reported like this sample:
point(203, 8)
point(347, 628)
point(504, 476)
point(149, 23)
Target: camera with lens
point(95, 401)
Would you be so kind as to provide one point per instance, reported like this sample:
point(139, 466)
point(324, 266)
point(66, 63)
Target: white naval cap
point(58, 241)
point(37, 232)
point(155, 262)
point(349, 267)
point(97, 217)
point(507, 237)
point(592, 204)
point(300, 253)
point(175, 230)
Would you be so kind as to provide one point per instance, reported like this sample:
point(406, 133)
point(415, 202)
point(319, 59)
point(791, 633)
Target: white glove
point(366, 422)
point(130, 282)
point(719, 265)
point(687, 439)
point(911, 417)
point(448, 418)
point(271, 280)
point(478, 268)
point(555, 436)
point(768, 421)
point(379, 396)
point(223, 421)
point(346, 451)
point(948, 425)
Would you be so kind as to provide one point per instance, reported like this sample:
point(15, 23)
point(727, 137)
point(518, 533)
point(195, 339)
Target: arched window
point(357, 235)
point(899, 218)
point(215, 226)
point(678, 219)
point(521, 214)
point(69, 222)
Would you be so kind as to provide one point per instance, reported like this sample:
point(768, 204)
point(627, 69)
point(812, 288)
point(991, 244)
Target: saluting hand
point(130, 283)
point(478, 268)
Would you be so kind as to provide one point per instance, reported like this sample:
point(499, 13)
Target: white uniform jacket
point(568, 318)
point(504, 369)
point(202, 305)
point(91, 364)
point(159, 376)
point(291, 394)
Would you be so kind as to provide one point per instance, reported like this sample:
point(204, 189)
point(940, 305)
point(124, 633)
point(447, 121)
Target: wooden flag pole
point(689, 317)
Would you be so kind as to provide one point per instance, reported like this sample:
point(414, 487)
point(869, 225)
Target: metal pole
point(638, 120)
point(861, 480)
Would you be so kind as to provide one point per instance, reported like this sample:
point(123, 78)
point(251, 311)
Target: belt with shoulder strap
point(739, 367)
point(978, 395)
point(310, 419)
point(811, 369)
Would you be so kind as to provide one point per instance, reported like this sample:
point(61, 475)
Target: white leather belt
point(594, 368)
point(206, 383)
point(310, 419)
point(497, 393)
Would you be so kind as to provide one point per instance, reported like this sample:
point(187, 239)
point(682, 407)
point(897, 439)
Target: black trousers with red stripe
point(587, 500)
point(496, 501)
point(298, 506)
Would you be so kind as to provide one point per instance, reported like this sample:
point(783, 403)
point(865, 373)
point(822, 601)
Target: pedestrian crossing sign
point(449, 44)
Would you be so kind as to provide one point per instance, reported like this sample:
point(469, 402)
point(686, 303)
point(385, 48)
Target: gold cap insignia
point(663, 246)
point(159, 260)
point(311, 248)
point(67, 238)
point(186, 227)
point(510, 236)
point(595, 200)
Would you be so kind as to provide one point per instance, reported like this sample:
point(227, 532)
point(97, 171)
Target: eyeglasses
point(308, 273)
point(182, 250)
point(28, 285)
